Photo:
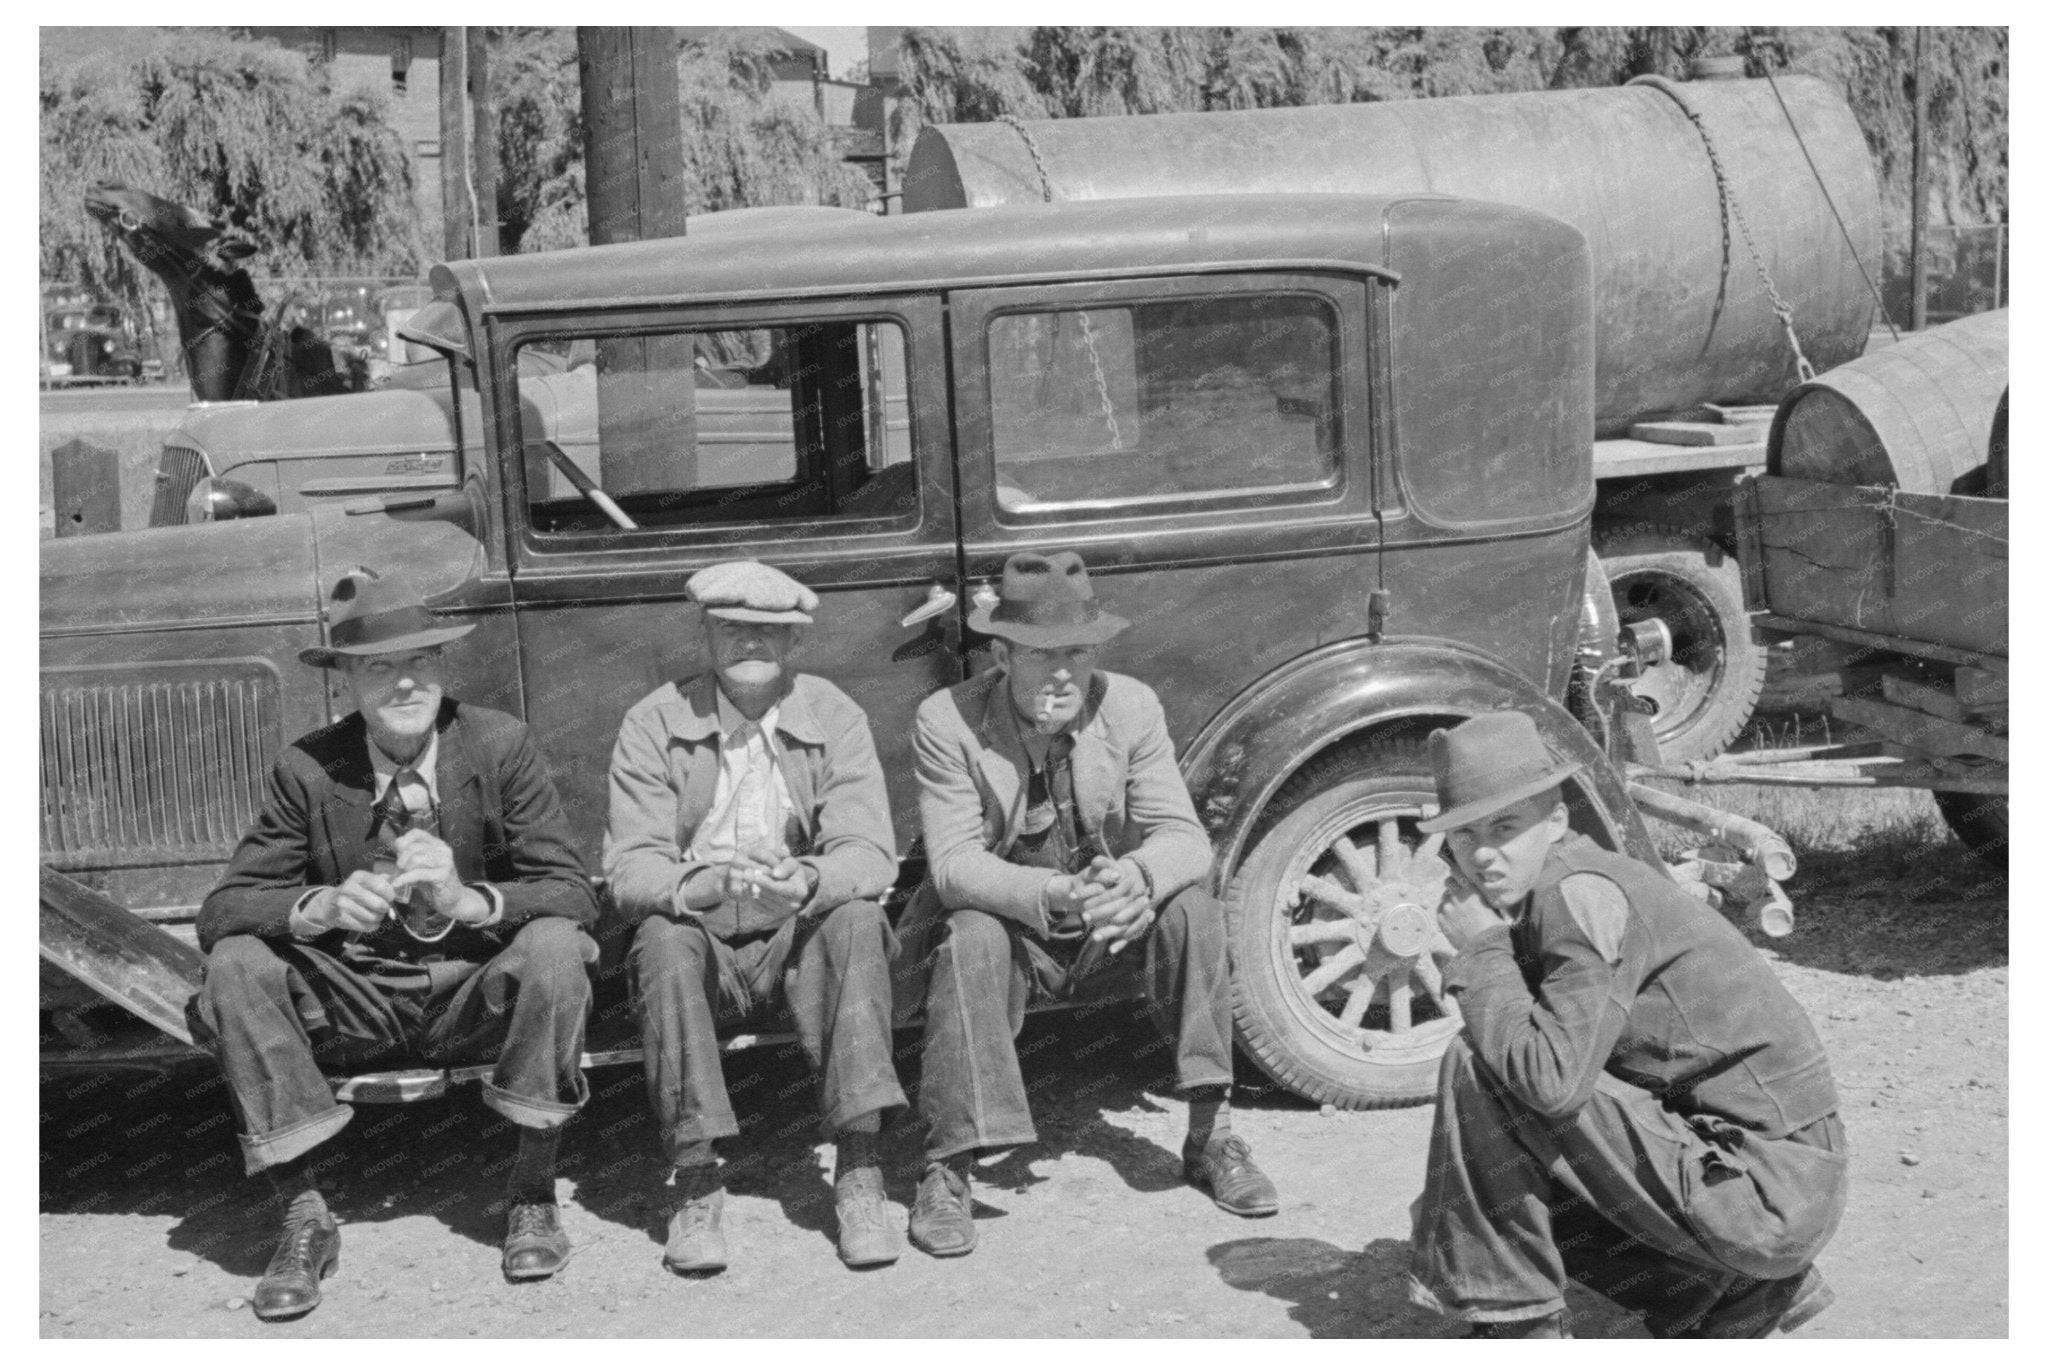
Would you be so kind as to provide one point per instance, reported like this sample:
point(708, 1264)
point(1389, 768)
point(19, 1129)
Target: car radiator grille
point(179, 469)
point(154, 764)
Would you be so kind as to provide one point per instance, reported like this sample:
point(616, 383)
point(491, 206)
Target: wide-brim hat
point(1046, 602)
point(370, 613)
point(748, 590)
point(1487, 764)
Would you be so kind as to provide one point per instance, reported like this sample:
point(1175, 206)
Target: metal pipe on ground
point(1758, 843)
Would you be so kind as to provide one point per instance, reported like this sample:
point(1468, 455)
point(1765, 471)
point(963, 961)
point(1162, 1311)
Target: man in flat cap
point(1064, 851)
point(1634, 1100)
point(409, 887)
point(750, 841)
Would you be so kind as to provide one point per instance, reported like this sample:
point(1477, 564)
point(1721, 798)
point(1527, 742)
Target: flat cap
point(748, 590)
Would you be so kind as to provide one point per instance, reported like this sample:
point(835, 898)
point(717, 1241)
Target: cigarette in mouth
point(1045, 706)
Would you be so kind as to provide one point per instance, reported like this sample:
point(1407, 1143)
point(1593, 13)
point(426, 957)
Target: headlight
point(219, 499)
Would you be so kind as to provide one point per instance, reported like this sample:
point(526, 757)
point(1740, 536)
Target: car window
point(796, 421)
point(1162, 401)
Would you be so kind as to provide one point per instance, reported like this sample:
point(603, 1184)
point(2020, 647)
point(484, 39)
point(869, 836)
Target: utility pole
point(633, 192)
point(1919, 243)
point(469, 147)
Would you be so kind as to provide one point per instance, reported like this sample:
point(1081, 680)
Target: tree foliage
point(975, 74)
point(318, 178)
point(742, 145)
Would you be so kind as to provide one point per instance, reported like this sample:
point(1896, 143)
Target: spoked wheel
point(1339, 961)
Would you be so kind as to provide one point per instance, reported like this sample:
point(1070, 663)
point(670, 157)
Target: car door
point(1201, 441)
point(808, 434)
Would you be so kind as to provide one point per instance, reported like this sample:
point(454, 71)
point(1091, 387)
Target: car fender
point(1354, 688)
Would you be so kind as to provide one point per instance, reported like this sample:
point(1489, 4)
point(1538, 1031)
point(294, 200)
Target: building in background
point(852, 111)
point(405, 63)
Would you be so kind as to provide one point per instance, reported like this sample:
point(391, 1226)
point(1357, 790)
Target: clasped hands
point(424, 862)
point(755, 876)
point(1112, 899)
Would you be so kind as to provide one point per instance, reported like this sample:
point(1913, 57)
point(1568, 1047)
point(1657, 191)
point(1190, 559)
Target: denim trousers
point(830, 971)
point(986, 970)
point(1661, 1212)
point(273, 1011)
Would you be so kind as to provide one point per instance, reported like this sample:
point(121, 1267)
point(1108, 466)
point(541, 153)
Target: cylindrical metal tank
point(1682, 317)
point(1917, 413)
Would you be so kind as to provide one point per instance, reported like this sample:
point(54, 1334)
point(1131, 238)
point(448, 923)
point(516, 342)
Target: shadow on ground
point(1333, 1292)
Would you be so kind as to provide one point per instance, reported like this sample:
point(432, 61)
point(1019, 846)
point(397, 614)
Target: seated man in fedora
point(1634, 1100)
point(409, 887)
point(1060, 834)
point(749, 842)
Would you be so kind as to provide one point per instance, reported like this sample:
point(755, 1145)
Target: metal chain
point(1116, 436)
point(1734, 210)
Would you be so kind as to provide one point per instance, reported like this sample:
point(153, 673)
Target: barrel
point(1681, 316)
point(1916, 414)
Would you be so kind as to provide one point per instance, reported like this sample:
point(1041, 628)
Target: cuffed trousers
point(986, 970)
point(832, 973)
point(274, 1010)
point(1661, 1213)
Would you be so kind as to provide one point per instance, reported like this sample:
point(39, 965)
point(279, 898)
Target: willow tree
point(742, 146)
point(317, 178)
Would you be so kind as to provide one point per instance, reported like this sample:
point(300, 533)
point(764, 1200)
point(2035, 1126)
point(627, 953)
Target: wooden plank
point(1620, 457)
point(1903, 565)
point(1920, 697)
point(1869, 639)
point(1742, 414)
point(1919, 731)
point(1978, 688)
point(1696, 434)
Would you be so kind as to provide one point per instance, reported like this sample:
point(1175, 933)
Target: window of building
point(797, 421)
point(1169, 401)
point(401, 64)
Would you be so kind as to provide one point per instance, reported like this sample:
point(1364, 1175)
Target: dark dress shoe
point(1224, 1168)
point(535, 1245)
point(308, 1253)
point(1767, 1308)
point(942, 1219)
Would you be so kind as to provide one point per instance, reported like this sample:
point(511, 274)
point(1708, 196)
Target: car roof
point(956, 247)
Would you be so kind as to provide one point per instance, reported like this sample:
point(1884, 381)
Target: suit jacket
point(664, 775)
point(971, 775)
point(499, 815)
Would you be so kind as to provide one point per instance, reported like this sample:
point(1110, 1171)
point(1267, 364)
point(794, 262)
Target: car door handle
point(936, 600)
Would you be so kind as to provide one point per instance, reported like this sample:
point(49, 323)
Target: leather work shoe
point(942, 1219)
point(1224, 1168)
point(866, 1236)
point(308, 1253)
point(1546, 1328)
point(696, 1235)
point(535, 1245)
point(1767, 1308)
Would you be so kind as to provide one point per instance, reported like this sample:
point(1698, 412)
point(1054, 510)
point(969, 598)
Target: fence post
point(85, 486)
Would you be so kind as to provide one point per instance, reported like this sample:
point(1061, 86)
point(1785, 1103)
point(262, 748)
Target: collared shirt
point(751, 805)
point(384, 768)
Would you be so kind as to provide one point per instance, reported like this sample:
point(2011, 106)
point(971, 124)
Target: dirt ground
point(148, 1227)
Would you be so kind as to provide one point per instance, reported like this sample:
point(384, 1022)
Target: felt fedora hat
point(371, 613)
point(1487, 764)
point(1047, 602)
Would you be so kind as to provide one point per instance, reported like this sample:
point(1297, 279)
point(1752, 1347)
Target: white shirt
point(751, 805)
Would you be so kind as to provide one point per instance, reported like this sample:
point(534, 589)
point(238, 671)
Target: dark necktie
point(409, 805)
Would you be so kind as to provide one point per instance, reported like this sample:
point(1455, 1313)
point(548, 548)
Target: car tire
point(1304, 1009)
point(1708, 688)
point(1981, 820)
